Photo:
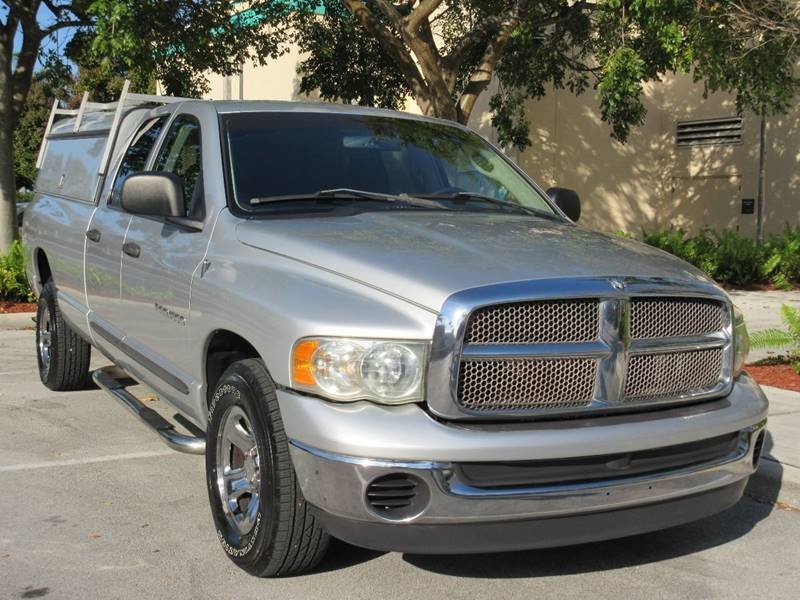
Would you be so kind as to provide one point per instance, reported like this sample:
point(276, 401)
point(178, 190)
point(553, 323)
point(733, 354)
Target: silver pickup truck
point(376, 327)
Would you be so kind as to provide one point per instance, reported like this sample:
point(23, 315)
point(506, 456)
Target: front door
point(105, 237)
point(159, 258)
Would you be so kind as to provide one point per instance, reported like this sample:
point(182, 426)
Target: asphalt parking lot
point(92, 505)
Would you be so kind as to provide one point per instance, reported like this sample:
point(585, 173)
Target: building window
point(727, 130)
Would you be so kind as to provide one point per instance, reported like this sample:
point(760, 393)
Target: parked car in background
point(382, 330)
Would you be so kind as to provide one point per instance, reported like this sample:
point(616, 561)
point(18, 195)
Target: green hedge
point(13, 280)
point(735, 260)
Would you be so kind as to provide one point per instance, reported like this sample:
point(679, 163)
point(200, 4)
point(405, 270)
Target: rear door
point(159, 259)
point(105, 238)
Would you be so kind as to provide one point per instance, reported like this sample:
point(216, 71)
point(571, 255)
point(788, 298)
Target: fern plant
point(788, 338)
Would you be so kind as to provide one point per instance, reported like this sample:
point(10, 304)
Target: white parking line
point(84, 461)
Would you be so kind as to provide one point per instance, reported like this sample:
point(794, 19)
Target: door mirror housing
point(567, 200)
point(154, 193)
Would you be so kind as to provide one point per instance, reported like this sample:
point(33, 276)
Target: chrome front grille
point(664, 375)
point(527, 384)
point(615, 345)
point(552, 321)
point(675, 317)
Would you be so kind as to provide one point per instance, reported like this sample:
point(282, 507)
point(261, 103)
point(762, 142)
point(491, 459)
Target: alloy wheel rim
point(238, 471)
point(45, 340)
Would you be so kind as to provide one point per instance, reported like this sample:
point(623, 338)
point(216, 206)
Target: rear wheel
point(262, 519)
point(63, 356)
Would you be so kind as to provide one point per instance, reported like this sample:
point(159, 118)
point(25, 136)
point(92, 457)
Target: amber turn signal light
point(301, 362)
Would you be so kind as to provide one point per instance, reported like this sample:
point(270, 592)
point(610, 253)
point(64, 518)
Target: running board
point(108, 378)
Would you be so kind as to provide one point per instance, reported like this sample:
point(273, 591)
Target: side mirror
point(154, 193)
point(567, 200)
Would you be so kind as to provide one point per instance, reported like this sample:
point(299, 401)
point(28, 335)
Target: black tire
point(62, 355)
point(285, 538)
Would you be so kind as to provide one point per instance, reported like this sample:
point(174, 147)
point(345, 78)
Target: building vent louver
point(727, 130)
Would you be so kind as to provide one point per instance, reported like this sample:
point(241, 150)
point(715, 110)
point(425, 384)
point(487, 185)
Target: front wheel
point(262, 519)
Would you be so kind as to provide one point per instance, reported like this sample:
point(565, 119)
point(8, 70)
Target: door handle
point(93, 234)
point(132, 249)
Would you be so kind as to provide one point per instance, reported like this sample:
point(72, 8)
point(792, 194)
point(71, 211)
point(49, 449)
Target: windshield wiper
point(476, 196)
point(347, 194)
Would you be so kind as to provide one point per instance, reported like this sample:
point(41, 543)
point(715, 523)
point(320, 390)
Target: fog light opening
point(397, 496)
point(758, 447)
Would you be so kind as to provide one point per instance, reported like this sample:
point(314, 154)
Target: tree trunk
point(437, 106)
point(8, 193)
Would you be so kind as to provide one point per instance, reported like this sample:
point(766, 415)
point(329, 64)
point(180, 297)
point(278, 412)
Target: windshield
point(279, 158)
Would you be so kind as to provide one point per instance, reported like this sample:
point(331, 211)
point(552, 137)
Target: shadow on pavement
point(765, 486)
point(683, 540)
point(615, 554)
point(341, 555)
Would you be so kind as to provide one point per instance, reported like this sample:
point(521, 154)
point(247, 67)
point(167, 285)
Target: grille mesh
point(674, 317)
point(516, 384)
point(654, 376)
point(505, 385)
point(543, 322)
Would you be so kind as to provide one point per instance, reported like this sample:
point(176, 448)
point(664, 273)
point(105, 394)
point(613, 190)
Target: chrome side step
point(108, 379)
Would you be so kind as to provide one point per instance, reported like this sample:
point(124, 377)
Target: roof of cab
point(241, 106)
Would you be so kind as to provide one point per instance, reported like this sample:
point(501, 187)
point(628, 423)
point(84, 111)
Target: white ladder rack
point(126, 99)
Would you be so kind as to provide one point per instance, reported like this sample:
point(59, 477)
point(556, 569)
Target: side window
point(181, 154)
point(135, 158)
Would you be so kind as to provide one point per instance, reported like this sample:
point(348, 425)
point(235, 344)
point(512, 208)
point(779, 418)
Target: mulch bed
point(779, 376)
point(16, 307)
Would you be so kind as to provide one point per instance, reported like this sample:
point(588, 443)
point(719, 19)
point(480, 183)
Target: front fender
point(272, 301)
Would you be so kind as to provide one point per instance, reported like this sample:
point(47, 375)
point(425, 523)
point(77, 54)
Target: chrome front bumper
point(339, 449)
point(337, 484)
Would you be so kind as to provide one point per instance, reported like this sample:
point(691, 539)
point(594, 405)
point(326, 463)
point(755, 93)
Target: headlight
point(741, 342)
point(390, 372)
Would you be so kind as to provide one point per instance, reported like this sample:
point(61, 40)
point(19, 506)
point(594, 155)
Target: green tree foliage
point(750, 48)
point(446, 53)
point(177, 41)
point(331, 42)
point(103, 77)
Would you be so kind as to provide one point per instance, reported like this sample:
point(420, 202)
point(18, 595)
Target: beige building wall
point(649, 182)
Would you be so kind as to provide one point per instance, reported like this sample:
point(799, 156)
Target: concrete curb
point(17, 321)
point(775, 482)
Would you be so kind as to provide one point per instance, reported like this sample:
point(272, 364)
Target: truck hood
point(424, 257)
